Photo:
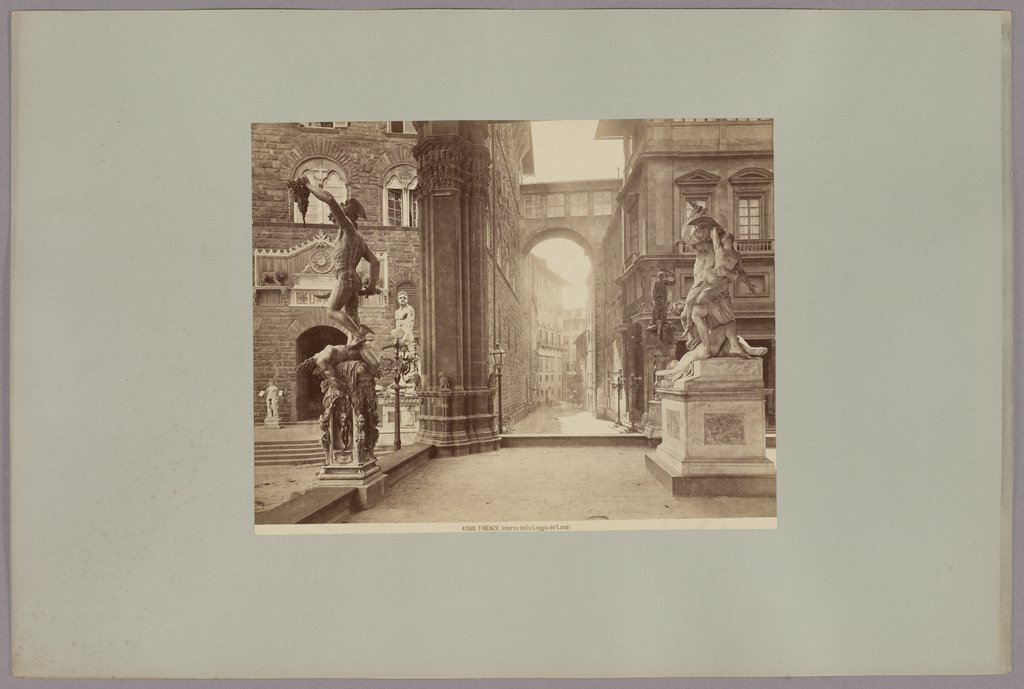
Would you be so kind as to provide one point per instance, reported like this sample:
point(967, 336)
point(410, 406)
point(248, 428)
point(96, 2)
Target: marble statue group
point(706, 315)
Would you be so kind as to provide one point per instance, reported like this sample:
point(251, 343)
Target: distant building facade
point(580, 211)
point(549, 345)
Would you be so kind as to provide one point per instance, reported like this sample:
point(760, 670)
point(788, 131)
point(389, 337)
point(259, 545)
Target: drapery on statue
point(343, 300)
point(707, 317)
point(659, 304)
point(349, 374)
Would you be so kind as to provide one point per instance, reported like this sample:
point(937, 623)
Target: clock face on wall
point(321, 261)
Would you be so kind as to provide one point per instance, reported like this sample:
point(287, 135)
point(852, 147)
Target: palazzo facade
point(293, 260)
point(724, 164)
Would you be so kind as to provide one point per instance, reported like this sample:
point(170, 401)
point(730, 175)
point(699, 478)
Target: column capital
point(450, 162)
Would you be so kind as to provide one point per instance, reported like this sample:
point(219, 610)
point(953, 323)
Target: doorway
point(308, 399)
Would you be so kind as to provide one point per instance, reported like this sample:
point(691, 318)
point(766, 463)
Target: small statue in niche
point(443, 382)
point(659, 305)
point(405, 317)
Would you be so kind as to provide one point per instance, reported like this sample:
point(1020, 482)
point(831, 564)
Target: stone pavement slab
point(558, 484)
point(564, 420)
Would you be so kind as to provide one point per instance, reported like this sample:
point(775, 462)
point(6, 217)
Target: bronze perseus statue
point(350, 249)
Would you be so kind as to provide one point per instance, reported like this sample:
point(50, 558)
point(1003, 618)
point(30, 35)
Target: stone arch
point(310, 319)
point(317, 147)
point(531, 241)
point(589, 250)
point(396, 155)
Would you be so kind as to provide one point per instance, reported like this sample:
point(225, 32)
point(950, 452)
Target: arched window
point(400, 202)
point(332, 177)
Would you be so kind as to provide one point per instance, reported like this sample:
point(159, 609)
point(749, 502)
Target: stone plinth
point(349, 472)
point(713, 432)
point(272, 422)
point(652, 421)
point(457, 422)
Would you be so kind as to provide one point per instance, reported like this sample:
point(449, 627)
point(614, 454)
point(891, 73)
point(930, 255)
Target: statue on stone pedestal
point(707, 318)
point(405, 322)
point(405, 317)
point(343, 300)
point(273, 395)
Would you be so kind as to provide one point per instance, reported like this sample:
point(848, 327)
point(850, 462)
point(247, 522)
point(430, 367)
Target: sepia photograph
point(514, 325)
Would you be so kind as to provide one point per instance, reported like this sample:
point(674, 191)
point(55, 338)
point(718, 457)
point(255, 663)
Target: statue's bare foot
point(366, 333)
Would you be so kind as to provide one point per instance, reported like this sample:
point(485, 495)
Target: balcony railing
point(747, 246)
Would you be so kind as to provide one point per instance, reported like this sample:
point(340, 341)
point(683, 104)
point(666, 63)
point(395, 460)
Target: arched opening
point(561, 387)
point(308, 400)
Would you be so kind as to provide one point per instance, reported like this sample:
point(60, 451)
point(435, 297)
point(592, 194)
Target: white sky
point(567, 259)
point(566, 149)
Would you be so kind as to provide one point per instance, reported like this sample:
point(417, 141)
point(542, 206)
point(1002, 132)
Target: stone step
point(286, 443)
point(291, 448)
point(291, 461)
point(290, 455)
point(552, 440)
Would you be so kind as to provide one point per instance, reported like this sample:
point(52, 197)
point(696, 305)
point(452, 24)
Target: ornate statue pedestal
point(366, 477)
point(713, 430)
point(272, 422)
point(348, 432)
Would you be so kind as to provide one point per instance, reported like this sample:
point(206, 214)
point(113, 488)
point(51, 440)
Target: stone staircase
point(293, 452)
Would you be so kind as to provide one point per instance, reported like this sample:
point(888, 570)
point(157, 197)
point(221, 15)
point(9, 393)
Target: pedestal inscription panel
point(723, 429)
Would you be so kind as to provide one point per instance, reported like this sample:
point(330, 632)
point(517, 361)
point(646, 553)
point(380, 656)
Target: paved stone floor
point(564, 420)
point(559, 484)
point(278, 484)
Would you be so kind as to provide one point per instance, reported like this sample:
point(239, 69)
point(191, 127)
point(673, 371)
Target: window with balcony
point(749, 224)
point(752, 199)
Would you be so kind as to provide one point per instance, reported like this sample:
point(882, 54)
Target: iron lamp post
point(617, 383)
point(497, 357)
point(634, 385)
point(402, 364)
